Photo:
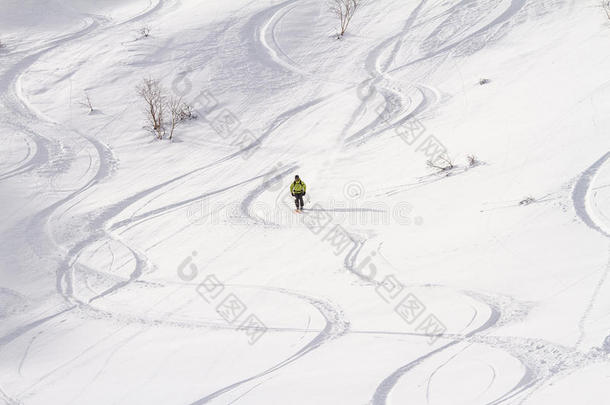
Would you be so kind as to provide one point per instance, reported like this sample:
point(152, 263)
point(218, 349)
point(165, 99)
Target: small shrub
point(144, 32)
point(344, 10)
point(179, 112)
point(527, 200)
point(472, 161)
point(158, 106)
point(186, 112)
point(87, 103)
point(442, 163)
point(483, 82)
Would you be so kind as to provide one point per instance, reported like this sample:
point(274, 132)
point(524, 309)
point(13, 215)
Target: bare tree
point(606, 7)
point(174, 105)
point(344, 10)
point(152, 93)
point(2, 45)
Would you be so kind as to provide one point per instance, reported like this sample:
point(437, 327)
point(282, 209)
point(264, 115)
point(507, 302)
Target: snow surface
point(120, 253)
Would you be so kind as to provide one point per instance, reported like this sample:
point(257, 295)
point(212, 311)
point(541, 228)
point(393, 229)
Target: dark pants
point(298, 200)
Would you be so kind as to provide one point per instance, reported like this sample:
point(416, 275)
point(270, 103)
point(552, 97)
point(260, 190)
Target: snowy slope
point(138, 271)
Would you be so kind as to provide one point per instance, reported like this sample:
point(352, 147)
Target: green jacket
point(297, 187)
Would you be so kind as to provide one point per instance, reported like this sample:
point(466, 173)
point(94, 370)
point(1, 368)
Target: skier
point(298, 189)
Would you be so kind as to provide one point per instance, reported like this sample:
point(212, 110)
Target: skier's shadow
point(343, 210)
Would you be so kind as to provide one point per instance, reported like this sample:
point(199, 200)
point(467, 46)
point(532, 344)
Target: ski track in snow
point(23, 116)
point(541, 360)
point(275, 125)
point(534, 376)
point(514, 7)
point(64, 278)
point(336, 326)
point(394, 100)
point(377, 70)
point(263, 28)
point(264, 25)
point(20, 114)
point(246, 205)
point(45, 149)
point(555, 356)
point(580, 194)
point(581, 191)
